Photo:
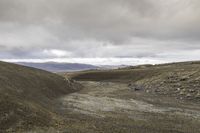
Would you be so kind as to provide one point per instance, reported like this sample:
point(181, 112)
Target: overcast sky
point(100, 31)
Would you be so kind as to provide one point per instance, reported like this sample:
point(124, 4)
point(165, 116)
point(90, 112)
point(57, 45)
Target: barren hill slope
point(180, 80)
point(141, 99)
point(27, 97)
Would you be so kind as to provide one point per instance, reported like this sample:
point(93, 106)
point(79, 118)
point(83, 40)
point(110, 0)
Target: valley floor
point(116, 108)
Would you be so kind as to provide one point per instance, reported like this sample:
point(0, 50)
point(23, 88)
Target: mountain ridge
point(59, 67)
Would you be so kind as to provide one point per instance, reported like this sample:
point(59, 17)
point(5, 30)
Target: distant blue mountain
point(59, 67)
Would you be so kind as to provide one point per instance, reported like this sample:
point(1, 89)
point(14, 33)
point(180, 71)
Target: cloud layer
point(47, 29)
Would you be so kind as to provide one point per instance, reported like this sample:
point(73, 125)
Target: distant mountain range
point(59, 67)
point(67, 67)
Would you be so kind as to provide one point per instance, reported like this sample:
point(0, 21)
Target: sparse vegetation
point(180, 80)
point(141, 99)
point(27, 97)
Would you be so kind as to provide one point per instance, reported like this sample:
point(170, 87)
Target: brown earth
point(142, 99)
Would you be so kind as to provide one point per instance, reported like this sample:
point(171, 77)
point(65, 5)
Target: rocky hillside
point(27, 97)
point(180, 80)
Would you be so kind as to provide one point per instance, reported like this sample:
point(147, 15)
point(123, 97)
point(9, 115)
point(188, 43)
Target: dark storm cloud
point(98, 28)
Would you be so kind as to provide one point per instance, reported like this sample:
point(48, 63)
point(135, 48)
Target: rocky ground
point(142, 99)
point(117, 107)
point(178, 80)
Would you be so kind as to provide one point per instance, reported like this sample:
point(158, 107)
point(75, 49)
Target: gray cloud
point(98, 28)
